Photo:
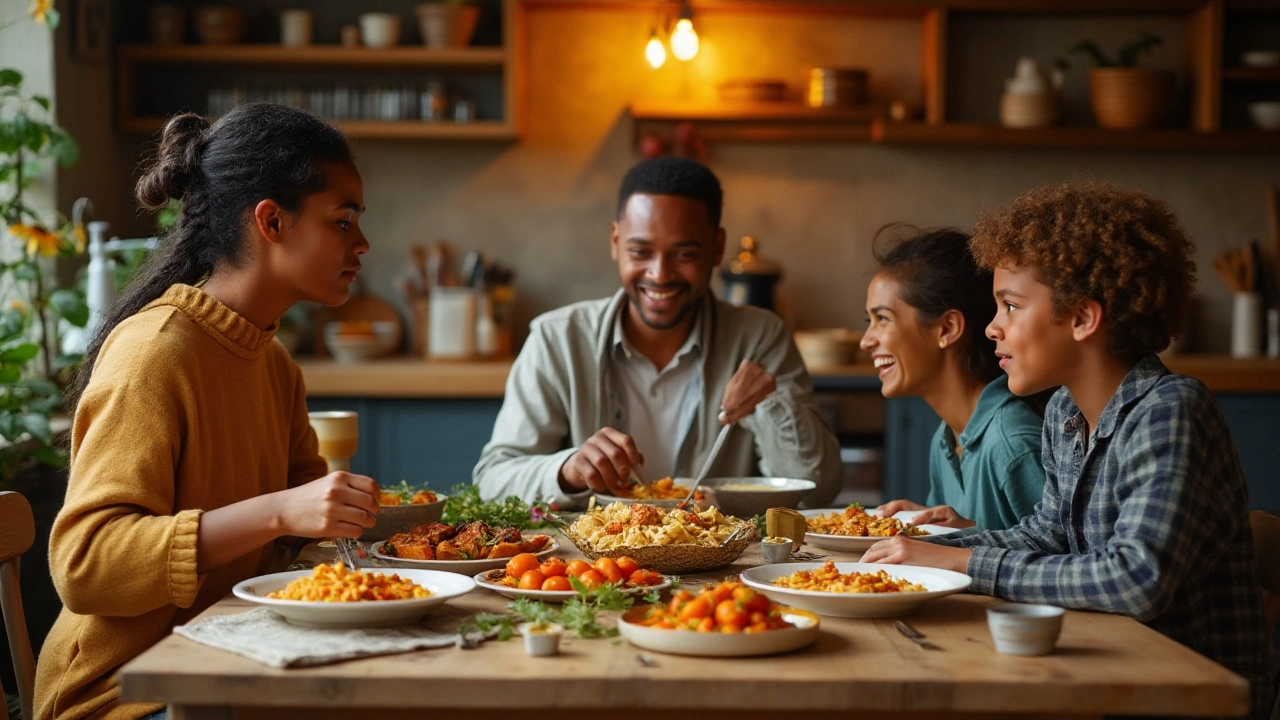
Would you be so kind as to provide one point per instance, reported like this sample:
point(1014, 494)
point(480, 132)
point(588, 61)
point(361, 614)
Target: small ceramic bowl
point(776, 550)
point(1266, 115)
point(542, 639)
point(380, 30)
point(1025, 629)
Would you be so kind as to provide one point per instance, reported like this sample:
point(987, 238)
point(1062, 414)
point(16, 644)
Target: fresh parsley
point(403, 490)
point(579, 615)
point(465, 505)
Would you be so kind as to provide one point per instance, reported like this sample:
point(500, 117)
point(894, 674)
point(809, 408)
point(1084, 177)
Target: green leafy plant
point(1128, 56)
point(31, 370)
point(466, 505)
point(579, 615)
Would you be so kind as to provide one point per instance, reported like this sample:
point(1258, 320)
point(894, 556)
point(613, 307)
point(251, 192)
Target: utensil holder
point(1246, 325)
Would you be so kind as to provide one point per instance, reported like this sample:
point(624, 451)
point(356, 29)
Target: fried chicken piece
point(472, 540)
point(411, 552)
point(644, 515)
point(534, 543)
point(504, 550)
point(449, 551)
point(434, 533)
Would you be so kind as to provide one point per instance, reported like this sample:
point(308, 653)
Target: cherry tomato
point(553, 567)
point(699, 607)
point(575, 568)
point(556, 582)
point(724, 590)
point(645, 577)
point(706, 625)
point(518, 565)
point(591, 579)
point(609, 569)
point(531, 580)
point(751, 600)
point(627, 565)
point(729, 612)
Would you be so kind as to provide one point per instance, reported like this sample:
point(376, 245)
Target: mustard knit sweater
point(190, 408)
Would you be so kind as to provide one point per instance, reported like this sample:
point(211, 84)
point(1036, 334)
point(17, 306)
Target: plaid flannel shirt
point(1147, 518)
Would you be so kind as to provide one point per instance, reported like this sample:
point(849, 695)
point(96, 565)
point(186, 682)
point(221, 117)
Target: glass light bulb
point(654, 52)
point(684, 40)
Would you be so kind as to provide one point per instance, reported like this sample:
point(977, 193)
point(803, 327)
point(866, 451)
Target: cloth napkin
point(263, 636)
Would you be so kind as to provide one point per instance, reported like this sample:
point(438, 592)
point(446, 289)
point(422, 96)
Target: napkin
point(266, 637)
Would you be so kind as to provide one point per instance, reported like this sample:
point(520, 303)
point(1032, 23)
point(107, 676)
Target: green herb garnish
point(579, 615)
point(465, 505)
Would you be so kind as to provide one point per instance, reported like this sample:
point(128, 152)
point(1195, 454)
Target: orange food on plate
point(829, 579)
point(391, 498)
point(728, 607)
point(855, 522)
point(465, 541)
point(524, 571)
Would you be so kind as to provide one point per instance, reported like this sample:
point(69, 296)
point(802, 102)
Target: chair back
point(17, 534)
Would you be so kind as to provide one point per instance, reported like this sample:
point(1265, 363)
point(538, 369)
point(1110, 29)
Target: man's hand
point(748, 387)
point(902, 550)
point(944, 515)
point(889, 509)
point(603, 463)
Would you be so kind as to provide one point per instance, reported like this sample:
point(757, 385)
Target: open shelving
point(1214, 91)
point(145, 96)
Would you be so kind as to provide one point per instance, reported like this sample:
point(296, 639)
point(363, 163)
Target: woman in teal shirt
point(928, 308)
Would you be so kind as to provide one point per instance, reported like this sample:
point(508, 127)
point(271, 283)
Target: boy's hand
point(339, 504)
point(944, 515)
point(888, 509)
point(748, 387)
point(902, 550)
point(603, 463)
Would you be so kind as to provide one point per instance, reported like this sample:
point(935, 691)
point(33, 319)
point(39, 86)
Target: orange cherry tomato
point(751, 600)
point(609, 569)
point(553, 567)
point(591, 579)
point(531, 580)
point(729, 612)
point(520, 564)
point(706, 625)
point(724, 590)
point(699, 607)
point(645, 577)
point(575, 568)
point(557, 582)
point(627, 565)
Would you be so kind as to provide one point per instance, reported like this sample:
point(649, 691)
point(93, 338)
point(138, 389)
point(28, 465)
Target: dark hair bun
point(177, 163)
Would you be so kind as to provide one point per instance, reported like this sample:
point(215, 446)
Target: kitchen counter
point(405, 377)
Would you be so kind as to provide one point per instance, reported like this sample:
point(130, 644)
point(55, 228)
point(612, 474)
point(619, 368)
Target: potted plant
point(447, 23)
point(1122, 95)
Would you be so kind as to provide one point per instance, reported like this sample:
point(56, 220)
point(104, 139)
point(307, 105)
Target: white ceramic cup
point(379, 30)
point(1025, 629)
point(541, 639)
point(1246, 325)
point(296, 27)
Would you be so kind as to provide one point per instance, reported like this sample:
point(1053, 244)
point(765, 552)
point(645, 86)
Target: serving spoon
point(706, 466)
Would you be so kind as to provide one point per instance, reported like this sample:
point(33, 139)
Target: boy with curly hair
point(1145, 507)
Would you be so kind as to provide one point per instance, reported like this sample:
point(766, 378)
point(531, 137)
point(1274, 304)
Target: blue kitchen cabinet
point(435, 442)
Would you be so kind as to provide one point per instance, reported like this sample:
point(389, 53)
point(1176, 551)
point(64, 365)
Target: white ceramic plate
point(491, 579)
point(859, 544)
point(685, 642)
point(381, 613)
point(463, 567)
point(859, 605)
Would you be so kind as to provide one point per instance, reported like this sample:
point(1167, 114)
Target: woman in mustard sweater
point(191, 452)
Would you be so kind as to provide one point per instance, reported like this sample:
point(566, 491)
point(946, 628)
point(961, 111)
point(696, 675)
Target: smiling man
point(640, 383)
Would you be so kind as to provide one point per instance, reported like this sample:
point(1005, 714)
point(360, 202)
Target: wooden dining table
point(1102, 665)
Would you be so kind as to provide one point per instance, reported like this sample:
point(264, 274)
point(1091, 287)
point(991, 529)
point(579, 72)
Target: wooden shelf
point(758, 122)
point(379, 129)
point(1251, 74)
point(1072, 137)
point(317, 56)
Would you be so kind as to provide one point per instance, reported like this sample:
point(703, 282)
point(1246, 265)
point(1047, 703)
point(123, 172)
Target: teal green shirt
point(998, 478)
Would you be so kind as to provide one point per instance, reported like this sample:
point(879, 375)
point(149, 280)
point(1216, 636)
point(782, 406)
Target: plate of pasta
point(853, 528)
point(667, 540)
point(859, 590)
point(333, 596)
point(664, 492)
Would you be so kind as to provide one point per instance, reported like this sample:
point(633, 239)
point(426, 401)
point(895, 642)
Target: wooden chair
point(17, 533)
point(1266, 548)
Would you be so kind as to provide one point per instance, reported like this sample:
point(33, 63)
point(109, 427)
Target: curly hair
point(1122, 248)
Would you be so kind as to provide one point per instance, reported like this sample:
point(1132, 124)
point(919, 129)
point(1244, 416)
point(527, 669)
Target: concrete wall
point(544, 204)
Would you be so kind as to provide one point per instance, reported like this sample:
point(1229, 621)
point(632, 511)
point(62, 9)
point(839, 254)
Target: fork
point(349, 552)
point(914, 635)
point(706, 466)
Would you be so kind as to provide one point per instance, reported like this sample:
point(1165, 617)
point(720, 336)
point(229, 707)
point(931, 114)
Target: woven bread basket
point(673, 559)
